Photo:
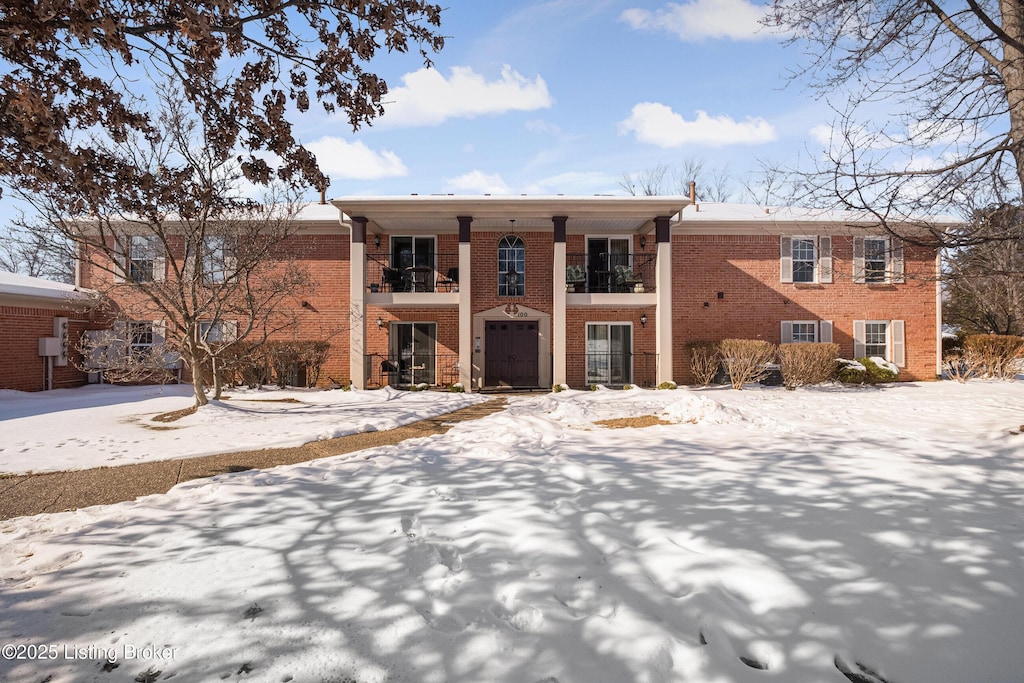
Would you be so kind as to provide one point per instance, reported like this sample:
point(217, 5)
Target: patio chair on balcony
point(574, 277)
point(450, 282)
point(626, 280)
point(393, 280)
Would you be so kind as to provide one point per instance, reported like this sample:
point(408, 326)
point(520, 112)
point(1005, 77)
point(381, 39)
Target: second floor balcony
point(604, 273)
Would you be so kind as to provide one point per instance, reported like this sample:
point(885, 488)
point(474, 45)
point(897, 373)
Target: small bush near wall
point(863, 371)
point(994, 355)
point(803, 364)
point(745, 359)
point(704, 361)
point(296, 363)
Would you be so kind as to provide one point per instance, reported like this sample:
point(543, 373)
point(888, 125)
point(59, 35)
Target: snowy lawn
point(97, 426)
point(765, 535)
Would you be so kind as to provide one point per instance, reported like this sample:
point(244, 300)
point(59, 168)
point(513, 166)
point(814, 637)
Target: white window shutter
point(159, 333)
point(787, 332)
point(825, 260)
point(120, 260)
point(859, 335)
point(899, 346)
point(897, 260)
point(825, 331)
point(118, 345)
point(786, 259)
point(159, 262)
point(858, 260)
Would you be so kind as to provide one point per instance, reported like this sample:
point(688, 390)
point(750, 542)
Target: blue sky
point(564, 96)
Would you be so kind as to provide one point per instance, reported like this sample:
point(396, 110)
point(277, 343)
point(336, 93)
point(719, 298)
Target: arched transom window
point(511, 266)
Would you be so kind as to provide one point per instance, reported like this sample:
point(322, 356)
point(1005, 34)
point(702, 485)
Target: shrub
point(704, 361)
point(863, 371)
point(994, 355)
point(958, 366)
point(807, 363)
point(953, 345)
point(627, 387)
point(559, 387)
point(667, 385)
point(745, 359)
point(457, 388)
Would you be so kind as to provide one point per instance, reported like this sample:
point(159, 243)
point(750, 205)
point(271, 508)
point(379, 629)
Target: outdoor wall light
point(380, 322)
point(643, 241)
point(643, 320)
point(376, 240)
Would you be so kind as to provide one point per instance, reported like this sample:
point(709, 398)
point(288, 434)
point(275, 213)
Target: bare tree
point(648, 183)
point(197, 269)
point(714, 184)
point(72, 79)
point(985, 281)
point(929, 102)
point(29, 250)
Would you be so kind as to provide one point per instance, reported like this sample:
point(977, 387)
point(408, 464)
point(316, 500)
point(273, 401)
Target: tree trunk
point(197, 386)
point(1013, 78)
point(218, 384)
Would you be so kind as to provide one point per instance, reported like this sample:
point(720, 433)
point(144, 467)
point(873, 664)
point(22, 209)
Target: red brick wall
point(540, 252)
point(21, 367)
point(644, 367)
point(324, 317)
point(746, 270)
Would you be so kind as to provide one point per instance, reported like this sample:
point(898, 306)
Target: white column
point(465, 318)
point(558, 307)
point(663, 276)
point(465, 304)
point(357, 303)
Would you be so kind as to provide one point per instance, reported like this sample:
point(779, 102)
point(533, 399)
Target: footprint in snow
point(445, 623)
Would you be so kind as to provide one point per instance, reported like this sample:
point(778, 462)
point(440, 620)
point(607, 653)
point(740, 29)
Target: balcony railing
point(611, 369)
point(431, 272)
point(610, 273)
point(411, 369)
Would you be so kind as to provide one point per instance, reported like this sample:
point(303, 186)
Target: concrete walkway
point(33, 494)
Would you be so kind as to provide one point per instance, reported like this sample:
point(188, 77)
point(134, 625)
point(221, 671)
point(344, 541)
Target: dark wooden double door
point(512, 353)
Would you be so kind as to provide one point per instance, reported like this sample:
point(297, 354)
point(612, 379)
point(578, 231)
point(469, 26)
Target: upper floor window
point(142, 252)
point(511, 266)
point(877, 259)
point(805, 259)
point(219, 261)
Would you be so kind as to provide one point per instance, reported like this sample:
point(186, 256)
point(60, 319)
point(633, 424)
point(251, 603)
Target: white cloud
point(427, 98)
point(700, 19)
point(477, 182)
point(822, 134)
point(355, 161)
point(656, 124)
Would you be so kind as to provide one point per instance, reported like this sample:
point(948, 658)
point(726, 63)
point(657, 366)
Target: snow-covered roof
point(756, 215)
point(12, 284)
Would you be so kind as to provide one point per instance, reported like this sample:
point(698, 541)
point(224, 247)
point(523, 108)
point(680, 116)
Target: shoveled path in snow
point(33, 494)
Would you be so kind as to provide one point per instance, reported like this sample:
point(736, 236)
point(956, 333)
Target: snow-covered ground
point(97, 426)
point(765, 535)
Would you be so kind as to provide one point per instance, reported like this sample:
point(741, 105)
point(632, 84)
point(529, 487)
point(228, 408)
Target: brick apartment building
point(533, 291)
point(40, 325)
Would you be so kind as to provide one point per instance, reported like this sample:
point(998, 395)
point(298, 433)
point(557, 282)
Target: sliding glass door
point(609, 353)
point(413, 350)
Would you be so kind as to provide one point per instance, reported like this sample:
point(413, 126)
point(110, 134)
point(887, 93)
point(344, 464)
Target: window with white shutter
point(797, 331)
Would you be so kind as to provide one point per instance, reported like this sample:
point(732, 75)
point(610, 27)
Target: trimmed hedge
point(803, 364)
